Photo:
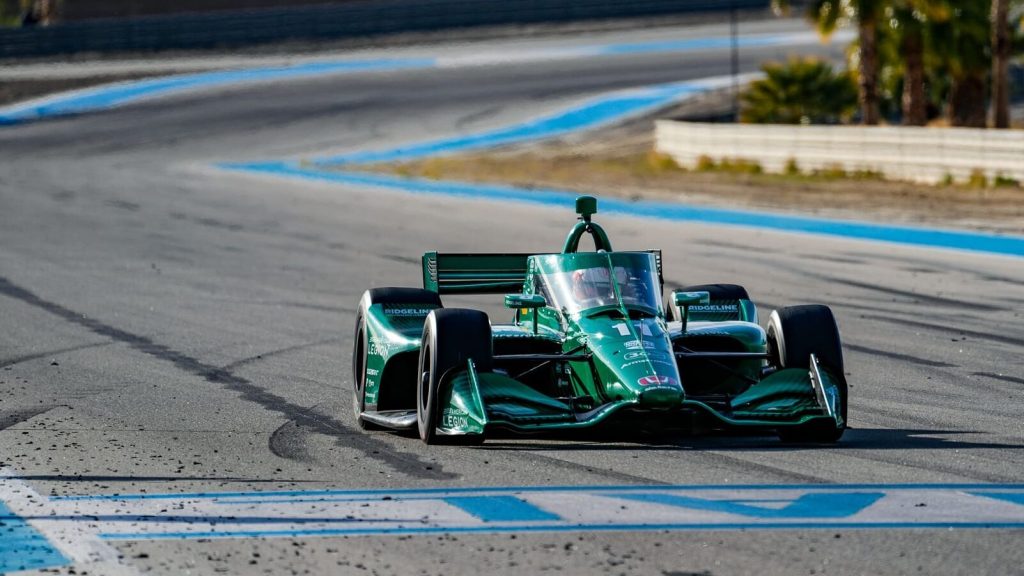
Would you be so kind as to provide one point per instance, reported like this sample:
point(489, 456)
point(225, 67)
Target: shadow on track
point(854, 439)
point(143, 479)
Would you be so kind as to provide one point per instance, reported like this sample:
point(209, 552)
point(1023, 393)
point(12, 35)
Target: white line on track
point(75, 537)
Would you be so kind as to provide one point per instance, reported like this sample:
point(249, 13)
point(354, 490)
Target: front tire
point(794, 333)
point(451, 336)
point(360, 342)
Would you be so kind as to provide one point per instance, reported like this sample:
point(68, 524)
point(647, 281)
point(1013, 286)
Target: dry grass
point(638, 172)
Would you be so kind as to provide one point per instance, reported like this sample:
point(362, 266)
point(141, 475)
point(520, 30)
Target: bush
point(977, 179)
point(791, 168)
point(706, 163)
point(661, 162)
point(831, 172)
point(740, 166)
point(1002, 181)
point(800, 91)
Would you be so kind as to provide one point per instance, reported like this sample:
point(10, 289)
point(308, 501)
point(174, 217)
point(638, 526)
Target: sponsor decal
point(454, 418)
point(645, 361)
point(379, 346)
point(652, 356)
point(661, 389)
point(715, 308)
point(656, 380)
point(407, 311)
point(634, 344)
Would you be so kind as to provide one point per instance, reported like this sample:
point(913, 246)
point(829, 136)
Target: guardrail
point(928, 155)
point(326, 22)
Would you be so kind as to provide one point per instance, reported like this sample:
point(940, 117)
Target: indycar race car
point(591, 342)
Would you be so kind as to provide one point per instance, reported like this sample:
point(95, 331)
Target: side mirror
point(530, 301)
point(683, 301)
point(526, 302)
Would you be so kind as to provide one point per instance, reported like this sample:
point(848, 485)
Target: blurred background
point(914, 62)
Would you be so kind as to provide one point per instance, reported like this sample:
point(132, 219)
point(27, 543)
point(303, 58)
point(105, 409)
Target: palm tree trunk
point(1000, 63)
point(915, 106)
point(867, 31)
point(967, 101)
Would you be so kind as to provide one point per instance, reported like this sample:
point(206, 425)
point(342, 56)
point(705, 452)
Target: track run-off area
point(180, 263)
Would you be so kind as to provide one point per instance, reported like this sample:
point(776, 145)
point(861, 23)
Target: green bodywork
point(558, 367)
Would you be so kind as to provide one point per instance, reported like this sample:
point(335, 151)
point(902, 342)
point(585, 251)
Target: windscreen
point(626, 279)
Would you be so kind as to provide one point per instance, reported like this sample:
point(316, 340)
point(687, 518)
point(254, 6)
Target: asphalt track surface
point(171, 327)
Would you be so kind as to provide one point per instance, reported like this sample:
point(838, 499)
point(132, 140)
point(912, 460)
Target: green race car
point(590, 342)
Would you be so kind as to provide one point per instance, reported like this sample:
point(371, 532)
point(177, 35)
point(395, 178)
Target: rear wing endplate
point(483, 273)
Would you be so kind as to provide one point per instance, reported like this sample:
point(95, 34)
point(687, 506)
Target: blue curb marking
point(22, 547)
point(691, 44)
point(1011, 497)
point(111, 95)
point(586, 116)
point(543, 509)
point(412, 530)
point(439, 492)
point(500, 509)
point(820, 505)
point(929, 237)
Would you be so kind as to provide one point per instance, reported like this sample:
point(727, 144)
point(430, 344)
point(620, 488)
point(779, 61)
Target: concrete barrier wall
point(901, 153)
point(326, 22)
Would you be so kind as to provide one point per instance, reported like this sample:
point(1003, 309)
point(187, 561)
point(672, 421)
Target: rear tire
point(451, 336)
point(794, 333)
point(720, 291)
point(360, 344)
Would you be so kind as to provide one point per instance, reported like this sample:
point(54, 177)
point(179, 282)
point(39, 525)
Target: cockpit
point(583, 282)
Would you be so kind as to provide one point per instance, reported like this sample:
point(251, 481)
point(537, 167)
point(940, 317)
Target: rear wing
point(474, 273)
point(483, 273)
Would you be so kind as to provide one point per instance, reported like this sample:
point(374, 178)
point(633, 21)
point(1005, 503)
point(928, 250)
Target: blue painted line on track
point(1011, 497)
point(813, 505)
point(690, 44)
point(500, 509)
point(985, 488)
point(112, 95)
point(589, 115)
point(412, 530)
point(927, 237)
point(109, 96)
point(22, 547)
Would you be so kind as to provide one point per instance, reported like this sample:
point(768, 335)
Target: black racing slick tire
point(715, 291)
point(451, 336)
point(720, 291)
point(360, 342)
point(794, 333)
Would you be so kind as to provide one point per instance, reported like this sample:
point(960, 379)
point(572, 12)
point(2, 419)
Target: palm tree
point(1000, 63)
point(801, 91)
point(961, 47)
point(910, 19)
point(827, 15)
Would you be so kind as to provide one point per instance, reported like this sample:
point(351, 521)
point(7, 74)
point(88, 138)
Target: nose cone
point(635, 360)
point(653, 377)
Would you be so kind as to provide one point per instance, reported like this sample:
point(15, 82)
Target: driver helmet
point(591, 283)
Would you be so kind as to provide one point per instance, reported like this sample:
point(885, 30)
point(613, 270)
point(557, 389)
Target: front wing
point(472, 402)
